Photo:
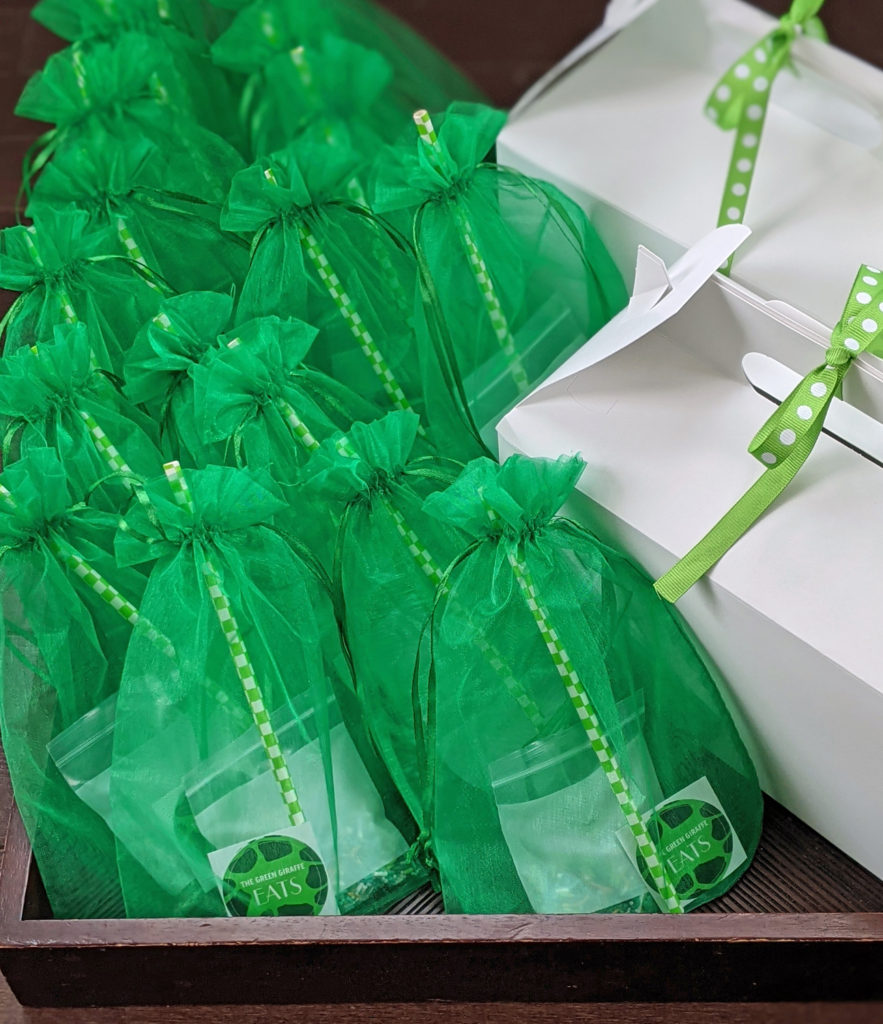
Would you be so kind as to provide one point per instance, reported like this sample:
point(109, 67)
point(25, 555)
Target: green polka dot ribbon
point(241, 660)
point(740, 100)
point(598, 740)
point(493, 307)
point(787, 439)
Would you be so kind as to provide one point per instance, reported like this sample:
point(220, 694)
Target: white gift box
point(620, 126)
point(660, 405)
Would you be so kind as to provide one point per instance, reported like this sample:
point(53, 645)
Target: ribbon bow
point(785, 441)
point(740, 101)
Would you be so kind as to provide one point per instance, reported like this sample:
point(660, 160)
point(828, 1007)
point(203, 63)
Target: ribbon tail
point(740, 518)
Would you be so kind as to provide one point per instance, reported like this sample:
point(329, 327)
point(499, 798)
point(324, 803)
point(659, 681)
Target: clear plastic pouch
point(83, 754)
point(556, 787)
point(235, 800)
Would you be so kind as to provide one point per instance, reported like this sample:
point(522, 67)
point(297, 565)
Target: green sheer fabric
point(159, 369)
point(66, 270)
point(130, 89)
point(333, 86)
point(178, 709)
point(321, 258)
point(185, 27)
point(266, 29)
point(390, 558)
point(520, 275)
point(63, 650)
point(647, 685)
point(155, 202)
point(56, 396)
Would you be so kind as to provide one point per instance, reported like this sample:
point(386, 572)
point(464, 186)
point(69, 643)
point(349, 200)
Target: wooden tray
point(805, 923)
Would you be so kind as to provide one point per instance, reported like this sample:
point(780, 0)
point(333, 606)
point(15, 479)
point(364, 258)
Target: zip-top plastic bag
point(65, 271)
point(68, 614)
point(55, 395)
point(390, 557)
point(253, 636)
point(159, 369)
point(265, 30)
point(520, 275)
point(130, 89)
point(321, 258)
point(663, 784)
point(155, 201)
point(185, 27)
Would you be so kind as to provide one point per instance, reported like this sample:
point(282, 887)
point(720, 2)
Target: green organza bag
point(269, 409)
point(159, 367)
point(64, 271)
point(157, 204)
point(322, 259)
point(185, 27)
point(55, 395)
point(265, 29)
point(128, 89)
point(609, 776)
point(390, 558)
point(332, 86)
point(520, 276)
point(67, 619)
point(255, 663)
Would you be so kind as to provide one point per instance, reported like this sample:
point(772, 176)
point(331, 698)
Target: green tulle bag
point(185, 27)
point(55, 395)
point(68, 614)
point(66, 271)
point(127, 89)
point(157, 204)
point(390, 558)
point(321, 258)
point(610, 776)
point(520, 276)
point(159, 369)
point(267, 29)
point(233, 748)
point(332, 86)
point(268, 410)
point(265, 405)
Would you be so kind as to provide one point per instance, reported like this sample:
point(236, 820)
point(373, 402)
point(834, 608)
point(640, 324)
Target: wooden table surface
point(504, 45)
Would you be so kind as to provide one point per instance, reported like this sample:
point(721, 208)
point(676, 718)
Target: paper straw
point(241, 660)
point(97, 583)
point(297, 426)
point(134, 250)
point(499, 322)
point(67, 308)
point(350, 314)
point(595, 732)
point(117, 464)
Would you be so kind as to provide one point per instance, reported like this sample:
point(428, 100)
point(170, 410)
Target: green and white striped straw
point(164, 10)
point(350, 314)
point(498, 319)
point(241, 660)
point(111, 455)
point(598, 740)
point(134, 251)
point(67, 307)
point(297, 426)
point(428, 565)
point(93, 579)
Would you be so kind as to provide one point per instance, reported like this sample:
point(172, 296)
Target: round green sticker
point(275, 876)
point(694, 840)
